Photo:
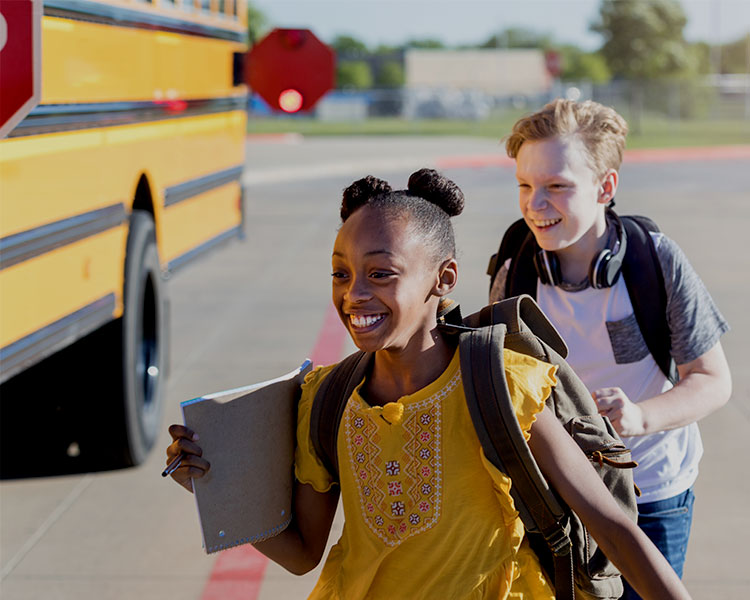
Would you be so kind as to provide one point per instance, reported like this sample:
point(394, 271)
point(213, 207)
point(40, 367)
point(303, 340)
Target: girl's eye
point(338, 275)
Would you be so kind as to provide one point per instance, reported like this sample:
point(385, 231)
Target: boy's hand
point(192, 465)
point(626, 416)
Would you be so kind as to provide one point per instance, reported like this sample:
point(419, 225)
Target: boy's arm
point(300, 546)
point(705, 385)
point(569, 471)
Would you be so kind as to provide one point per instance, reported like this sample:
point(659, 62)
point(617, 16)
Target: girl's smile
point(364, 323)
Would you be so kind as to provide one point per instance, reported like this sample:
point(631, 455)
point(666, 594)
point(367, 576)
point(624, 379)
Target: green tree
point(426, 44)
point(735, 56)
point(390, 75)
point(257, 23)
point(353, 74)
point(643, 39)
point(348, 47)
point(518, 37)
point(578, 65)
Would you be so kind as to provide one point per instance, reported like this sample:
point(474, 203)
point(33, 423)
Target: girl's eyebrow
point(370, 253)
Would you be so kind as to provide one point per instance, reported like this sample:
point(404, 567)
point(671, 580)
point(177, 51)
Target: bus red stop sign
point(20, 60)
point(291, 69)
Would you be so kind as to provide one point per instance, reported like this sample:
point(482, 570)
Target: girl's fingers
point(180, 431)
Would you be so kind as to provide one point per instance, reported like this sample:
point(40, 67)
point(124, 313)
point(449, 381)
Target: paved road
point(254, 309)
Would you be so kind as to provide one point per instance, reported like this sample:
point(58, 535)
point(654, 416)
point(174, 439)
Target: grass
point(652, 132)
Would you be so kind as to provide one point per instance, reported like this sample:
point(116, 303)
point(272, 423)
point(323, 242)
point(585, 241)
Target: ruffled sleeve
point(530, 383)
point(307, 466)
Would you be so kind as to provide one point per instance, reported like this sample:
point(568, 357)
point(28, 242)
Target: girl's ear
point(447, 278)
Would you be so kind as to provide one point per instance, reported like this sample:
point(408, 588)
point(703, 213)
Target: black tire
point(144, 341)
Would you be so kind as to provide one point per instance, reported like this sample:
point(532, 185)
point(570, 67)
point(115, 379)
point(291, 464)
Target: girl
point(426, 516)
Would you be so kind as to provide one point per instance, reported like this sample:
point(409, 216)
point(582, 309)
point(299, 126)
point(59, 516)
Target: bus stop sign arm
point(291, 63)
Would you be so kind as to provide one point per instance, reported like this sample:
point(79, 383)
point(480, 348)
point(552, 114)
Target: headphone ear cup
point(547, 267)
point(599, 271)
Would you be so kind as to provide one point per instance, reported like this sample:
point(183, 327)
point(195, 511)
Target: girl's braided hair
point(429, 201)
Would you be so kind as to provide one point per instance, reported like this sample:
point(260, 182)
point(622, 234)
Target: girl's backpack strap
point(496, 425)
point(329, 404)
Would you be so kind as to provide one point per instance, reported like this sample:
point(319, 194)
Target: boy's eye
point(338, 275)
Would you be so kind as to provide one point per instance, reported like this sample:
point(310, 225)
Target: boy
point(567, 160)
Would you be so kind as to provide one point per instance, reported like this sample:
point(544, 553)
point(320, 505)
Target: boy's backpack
point(568, 554)
point(640, 270)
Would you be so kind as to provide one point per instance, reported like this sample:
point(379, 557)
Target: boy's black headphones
point(604, 269)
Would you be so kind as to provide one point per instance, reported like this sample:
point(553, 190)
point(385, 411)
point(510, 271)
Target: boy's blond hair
point(601, 129)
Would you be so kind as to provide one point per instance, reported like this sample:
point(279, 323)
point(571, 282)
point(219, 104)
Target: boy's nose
point(538, 199)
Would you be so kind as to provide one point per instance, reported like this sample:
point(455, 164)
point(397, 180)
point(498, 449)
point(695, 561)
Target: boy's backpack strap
point(645, 282)
point(491, 410)
point(329, 404)
point(518, 245)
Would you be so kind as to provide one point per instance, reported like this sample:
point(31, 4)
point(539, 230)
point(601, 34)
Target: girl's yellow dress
point(426, 515)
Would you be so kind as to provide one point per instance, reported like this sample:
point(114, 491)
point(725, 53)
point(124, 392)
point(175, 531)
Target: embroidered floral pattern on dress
point(400, 495)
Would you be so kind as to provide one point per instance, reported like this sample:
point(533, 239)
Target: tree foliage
point(426, 44)
point(643, 39)
point(257, 23)
point(578, 65)
point(349, 47)
point(518, 37)
point(353, 74)
point(390, 75)
point(735, 56)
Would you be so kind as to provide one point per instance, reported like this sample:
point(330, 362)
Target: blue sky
point(471, 21)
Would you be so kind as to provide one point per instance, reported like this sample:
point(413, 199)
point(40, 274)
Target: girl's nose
point(358, 290)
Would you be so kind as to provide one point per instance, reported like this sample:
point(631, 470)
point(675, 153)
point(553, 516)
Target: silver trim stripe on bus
point(97, 12)
point(46, 341)
point(183, 191)
point(34, 242)
point(53, 118)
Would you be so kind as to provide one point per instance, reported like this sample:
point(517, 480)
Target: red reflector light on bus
point(290, 100)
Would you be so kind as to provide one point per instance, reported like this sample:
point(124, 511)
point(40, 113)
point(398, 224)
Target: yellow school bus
point(129, 167)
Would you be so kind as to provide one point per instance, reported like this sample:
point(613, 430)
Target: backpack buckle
point(558, 540)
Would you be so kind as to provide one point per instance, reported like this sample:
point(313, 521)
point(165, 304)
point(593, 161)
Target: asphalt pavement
point(253, 309)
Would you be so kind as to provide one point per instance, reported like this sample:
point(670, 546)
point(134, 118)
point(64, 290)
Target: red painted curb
point(238, 573)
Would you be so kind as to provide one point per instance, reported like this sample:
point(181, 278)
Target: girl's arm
point(566, 467)
point(300, 546)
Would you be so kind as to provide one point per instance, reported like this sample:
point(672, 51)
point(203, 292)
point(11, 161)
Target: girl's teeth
point(365, 321)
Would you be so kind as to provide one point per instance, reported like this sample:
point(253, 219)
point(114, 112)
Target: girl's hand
point(627, 417)
point(192, 465)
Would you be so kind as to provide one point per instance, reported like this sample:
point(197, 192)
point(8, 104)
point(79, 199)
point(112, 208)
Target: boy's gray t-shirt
point(607, 349)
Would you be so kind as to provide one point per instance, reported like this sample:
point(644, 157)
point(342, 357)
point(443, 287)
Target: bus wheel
point(144, 340)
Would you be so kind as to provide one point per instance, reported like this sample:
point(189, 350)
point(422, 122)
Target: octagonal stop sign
point(291, 69)
point(20, 60)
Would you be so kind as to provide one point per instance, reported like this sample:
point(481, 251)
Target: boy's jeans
point(667, 524)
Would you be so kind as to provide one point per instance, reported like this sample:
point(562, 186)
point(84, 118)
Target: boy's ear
point(608, 187)
point(447, 278)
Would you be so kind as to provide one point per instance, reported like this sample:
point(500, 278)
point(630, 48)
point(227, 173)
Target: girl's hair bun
point(360, 193)
point(437, 189)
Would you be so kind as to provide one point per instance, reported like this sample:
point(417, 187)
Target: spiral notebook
point(248, 436)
